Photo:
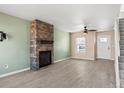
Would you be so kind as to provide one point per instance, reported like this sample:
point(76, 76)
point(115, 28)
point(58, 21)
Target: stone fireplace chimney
point(41, 39)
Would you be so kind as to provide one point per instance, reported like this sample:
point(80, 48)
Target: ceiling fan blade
point(91, 30)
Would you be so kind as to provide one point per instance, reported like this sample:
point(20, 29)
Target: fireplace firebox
point(44, 58)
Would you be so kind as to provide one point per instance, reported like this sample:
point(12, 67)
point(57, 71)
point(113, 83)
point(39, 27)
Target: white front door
point(104, 46)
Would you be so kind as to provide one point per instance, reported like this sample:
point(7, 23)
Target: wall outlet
point(5, 66)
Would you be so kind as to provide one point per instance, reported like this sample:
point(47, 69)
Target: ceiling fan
point(85, 31)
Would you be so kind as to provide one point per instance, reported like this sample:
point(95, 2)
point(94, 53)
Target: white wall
point(121, 15)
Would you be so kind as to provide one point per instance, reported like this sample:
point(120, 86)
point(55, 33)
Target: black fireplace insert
point(44, 58)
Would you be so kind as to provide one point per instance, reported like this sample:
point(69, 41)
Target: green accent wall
point(61, 44)
point(15, 51)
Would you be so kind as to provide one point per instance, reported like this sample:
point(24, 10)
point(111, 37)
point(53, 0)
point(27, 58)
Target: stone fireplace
point(41, 44)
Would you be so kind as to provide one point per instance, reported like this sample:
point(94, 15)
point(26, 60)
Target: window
point(103, 40)
point(81, 44)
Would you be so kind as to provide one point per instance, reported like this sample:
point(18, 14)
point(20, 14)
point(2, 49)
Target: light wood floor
point(66, 74)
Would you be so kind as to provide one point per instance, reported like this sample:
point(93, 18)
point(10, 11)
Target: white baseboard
point(62, 59)
point(106, 59)
point(14, 72)
point(22, 70)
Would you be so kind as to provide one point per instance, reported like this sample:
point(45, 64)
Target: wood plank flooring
point(70, 73)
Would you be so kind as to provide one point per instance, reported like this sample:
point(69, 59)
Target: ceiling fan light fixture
point(85, 32)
